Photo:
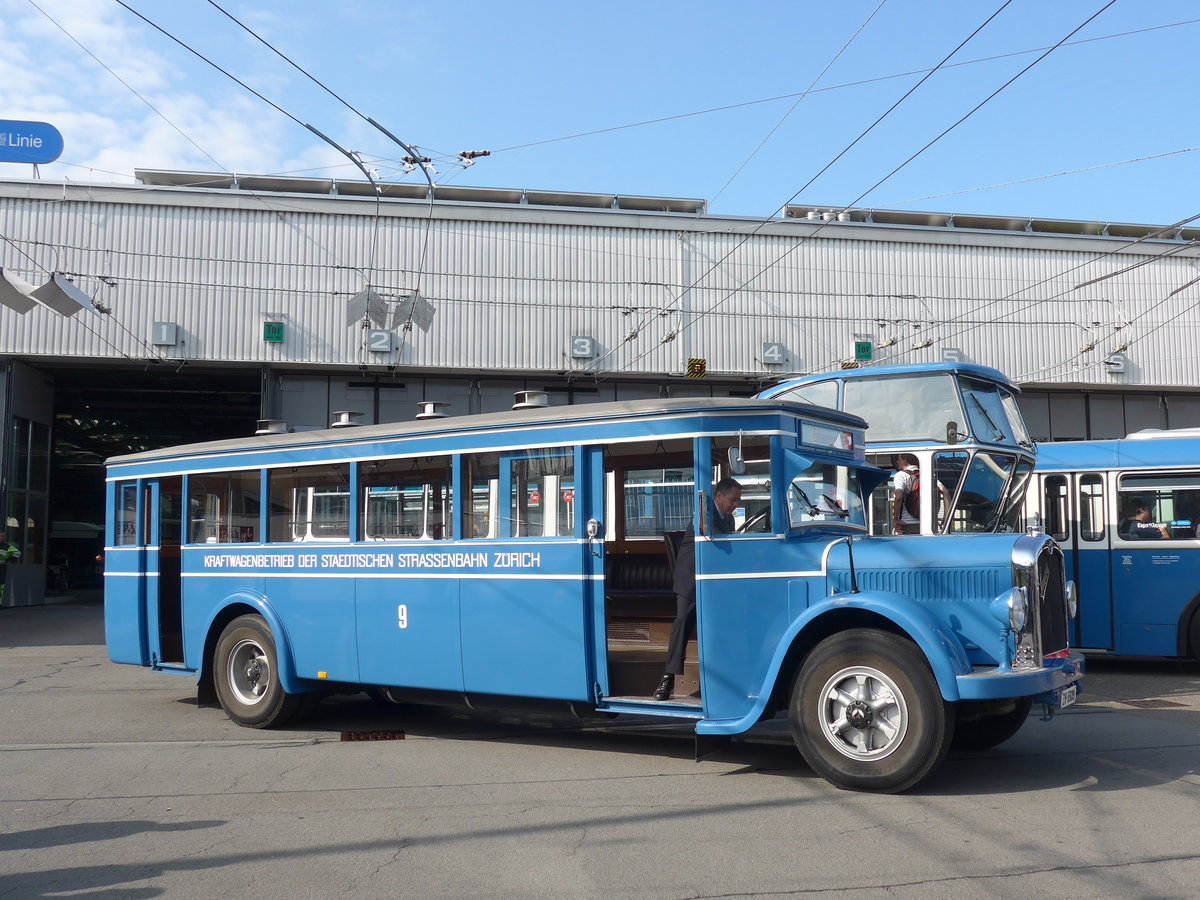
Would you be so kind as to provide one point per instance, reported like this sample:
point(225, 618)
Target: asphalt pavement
point(114, 784)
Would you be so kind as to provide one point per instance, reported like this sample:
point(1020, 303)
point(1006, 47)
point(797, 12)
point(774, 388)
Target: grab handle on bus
point(592, 531)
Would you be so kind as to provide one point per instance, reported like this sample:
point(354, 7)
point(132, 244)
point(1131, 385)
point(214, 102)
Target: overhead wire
point(988, 187)
point(1125, 246)
point(836, 87)
point(696, 318)
point(791, 109)
point(412, 151)
point(762, 224)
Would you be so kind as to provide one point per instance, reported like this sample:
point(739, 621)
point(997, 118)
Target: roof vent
point(531, 399)
point(273, 426)
point(345, 418)
point(431, 409)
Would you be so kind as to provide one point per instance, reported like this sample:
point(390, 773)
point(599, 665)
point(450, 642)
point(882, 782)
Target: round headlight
point(1011, 608)
point(1072, 599)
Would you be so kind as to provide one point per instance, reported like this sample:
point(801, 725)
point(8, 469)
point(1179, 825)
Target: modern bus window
point(125, 524)
point(826, 494)
point(406, 499)
point(542, 496)
point(1055, 513)
point(1173, 500)
point(310, 503)
point(1091, 507)
point(223, 508)
point(754, 514)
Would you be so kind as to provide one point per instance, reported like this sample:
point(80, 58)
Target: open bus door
point(164, 590)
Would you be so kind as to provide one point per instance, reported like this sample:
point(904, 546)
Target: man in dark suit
point(727, 494)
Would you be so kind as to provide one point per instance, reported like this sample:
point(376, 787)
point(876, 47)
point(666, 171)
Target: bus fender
point(252, 602)
point(945, 654)
point(943, 651)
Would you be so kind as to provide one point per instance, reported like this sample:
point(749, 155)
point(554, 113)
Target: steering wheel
point(760, 521)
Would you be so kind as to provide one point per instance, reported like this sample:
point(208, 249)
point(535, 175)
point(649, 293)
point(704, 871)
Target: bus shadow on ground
point(1022, 765)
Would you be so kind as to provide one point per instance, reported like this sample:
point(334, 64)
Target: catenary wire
point(837, 87)
point(942, 134)
point(684, 325)
point(791, 109)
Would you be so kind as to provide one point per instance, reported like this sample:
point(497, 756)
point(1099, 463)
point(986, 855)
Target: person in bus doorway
point(1138, 527)
point(905, 504)
point(727, 494)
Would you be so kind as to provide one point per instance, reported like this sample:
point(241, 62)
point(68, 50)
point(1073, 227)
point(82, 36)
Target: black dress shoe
point(663, 691)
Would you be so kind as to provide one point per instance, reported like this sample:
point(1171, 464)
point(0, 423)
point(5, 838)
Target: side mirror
point(737, 462)
point(953, 435)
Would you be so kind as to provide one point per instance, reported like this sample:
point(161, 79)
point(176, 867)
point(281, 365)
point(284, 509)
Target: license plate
point(1067, 695)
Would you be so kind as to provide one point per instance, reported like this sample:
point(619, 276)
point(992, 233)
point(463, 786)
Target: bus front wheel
point(246, 675)
point(866, 712)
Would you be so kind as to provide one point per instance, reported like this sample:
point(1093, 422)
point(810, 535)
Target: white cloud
point(107, 130)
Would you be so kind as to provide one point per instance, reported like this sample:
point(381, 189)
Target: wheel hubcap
point(863, 713)
point(249, 672)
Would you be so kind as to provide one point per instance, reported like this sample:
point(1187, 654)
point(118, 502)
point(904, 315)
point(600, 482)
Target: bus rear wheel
point(246, 675)
point(867, 714)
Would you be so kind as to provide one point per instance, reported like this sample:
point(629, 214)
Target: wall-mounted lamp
point(59, 294)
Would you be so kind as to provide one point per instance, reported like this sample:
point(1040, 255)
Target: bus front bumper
point(1055, 685)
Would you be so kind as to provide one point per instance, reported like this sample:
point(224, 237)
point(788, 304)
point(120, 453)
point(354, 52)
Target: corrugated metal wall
point(509, 287)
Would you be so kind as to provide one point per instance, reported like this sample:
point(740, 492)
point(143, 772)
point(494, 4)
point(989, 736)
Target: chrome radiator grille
point(1038, 567)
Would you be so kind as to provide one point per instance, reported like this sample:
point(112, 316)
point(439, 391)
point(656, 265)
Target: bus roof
point(971, 370)
point(1151, 448)
point(551, 415)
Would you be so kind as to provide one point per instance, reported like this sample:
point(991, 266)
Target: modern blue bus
point(959, 420)
point(1126, 514)
point(527, 557)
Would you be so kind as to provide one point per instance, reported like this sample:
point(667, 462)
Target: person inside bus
point(905, 506)
point(727, 494)
point(1138, 527)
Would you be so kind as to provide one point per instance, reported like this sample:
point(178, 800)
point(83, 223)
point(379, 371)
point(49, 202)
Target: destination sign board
point(29, 142)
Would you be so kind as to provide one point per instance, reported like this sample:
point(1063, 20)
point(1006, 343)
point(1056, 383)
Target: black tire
point(866, 712)
point(988, 731)
point(246, 676)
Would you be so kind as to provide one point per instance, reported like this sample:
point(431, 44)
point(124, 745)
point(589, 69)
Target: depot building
point(191, 306)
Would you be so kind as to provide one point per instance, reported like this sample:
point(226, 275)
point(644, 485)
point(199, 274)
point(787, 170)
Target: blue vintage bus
point(527, 557)
point(1126, 514)
point(959, 420)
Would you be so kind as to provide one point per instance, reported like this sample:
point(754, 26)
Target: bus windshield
point(825, 494)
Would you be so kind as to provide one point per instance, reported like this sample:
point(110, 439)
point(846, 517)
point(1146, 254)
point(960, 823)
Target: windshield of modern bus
point(826, 494)
point(912, 408)
point(992, 413)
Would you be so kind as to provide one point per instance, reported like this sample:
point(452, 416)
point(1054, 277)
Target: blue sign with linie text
point(29, 142)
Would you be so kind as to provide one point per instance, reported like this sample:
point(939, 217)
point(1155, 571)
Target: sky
point(748, 106)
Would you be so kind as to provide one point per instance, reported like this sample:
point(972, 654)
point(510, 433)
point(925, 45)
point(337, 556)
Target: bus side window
point(406, 499)
point(223, 508)
point(480, 508)
point(126, 521)
point(542, 501)
point(1054, 507)
point(1091, 507)
point(310, 503)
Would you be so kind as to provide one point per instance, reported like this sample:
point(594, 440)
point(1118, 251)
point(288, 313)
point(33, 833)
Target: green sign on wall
point(273, 332)
point(863, 351)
